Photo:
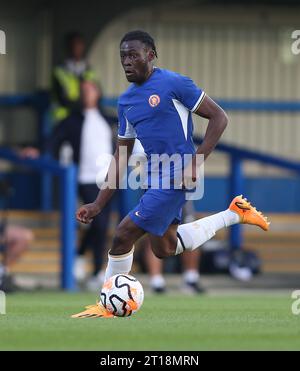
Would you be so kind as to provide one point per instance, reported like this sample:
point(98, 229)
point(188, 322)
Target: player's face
point(136, 60)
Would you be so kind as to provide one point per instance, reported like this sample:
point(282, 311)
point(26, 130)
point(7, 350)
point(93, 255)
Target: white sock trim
point(118, 257)
point(180, 245)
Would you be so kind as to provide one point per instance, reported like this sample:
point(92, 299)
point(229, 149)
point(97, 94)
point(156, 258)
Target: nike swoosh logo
point(137, 214)
point(240, 205)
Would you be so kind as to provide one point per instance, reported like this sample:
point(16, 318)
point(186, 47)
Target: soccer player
point(156, 109)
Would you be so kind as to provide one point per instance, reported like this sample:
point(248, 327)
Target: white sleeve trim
point(183, 113)
point(124, 137)
point(129, 131)
point(199, 101)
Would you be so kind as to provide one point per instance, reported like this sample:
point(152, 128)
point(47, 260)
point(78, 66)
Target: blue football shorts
point(157, 209)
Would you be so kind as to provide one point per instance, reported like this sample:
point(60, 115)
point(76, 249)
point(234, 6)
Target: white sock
point(195, 234)
point(119, 264)
point(191, 276)
point(157, 281)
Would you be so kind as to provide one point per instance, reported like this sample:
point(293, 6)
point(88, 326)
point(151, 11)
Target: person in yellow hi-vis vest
point(67, 77)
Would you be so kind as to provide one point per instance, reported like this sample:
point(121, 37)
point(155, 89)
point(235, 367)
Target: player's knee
point(119, 246)
point(159, 254)
point(163, 252)
point(122, 243)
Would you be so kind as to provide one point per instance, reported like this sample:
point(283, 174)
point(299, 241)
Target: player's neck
point(147, 75)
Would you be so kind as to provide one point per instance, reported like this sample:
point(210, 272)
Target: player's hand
point(191, 173)
point(86, 213)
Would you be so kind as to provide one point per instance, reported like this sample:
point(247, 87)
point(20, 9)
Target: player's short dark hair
point(141, 36)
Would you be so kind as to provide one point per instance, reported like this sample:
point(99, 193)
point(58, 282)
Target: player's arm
point(217, 122)
point(115, 172)
point(196, 101)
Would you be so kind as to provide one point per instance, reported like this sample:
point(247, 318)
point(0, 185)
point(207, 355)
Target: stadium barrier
point(237, 156)
point(39, 102)
point(67, 175)
point(68, 197)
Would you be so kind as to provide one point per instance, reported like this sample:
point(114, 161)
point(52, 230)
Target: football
point(122, 295)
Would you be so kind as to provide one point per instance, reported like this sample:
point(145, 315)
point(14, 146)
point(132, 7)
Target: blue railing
point(237, 179)
point(39, 102)
point(68, 197)
point(238, 105)
point(67, 176)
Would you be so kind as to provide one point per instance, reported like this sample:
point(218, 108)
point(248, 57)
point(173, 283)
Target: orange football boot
point(247, 213)
point(94, 311)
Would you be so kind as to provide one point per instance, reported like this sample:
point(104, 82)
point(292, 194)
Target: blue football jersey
point(158, 113)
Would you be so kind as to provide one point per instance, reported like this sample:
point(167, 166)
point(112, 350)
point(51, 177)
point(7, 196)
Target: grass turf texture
point(40, 321)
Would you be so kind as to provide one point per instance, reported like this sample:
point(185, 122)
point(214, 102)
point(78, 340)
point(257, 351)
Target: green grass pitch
point(40, 321)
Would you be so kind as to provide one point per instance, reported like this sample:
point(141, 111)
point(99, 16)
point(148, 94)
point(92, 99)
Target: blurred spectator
point(89, 135)
point(14, 241)
point(67, 77)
